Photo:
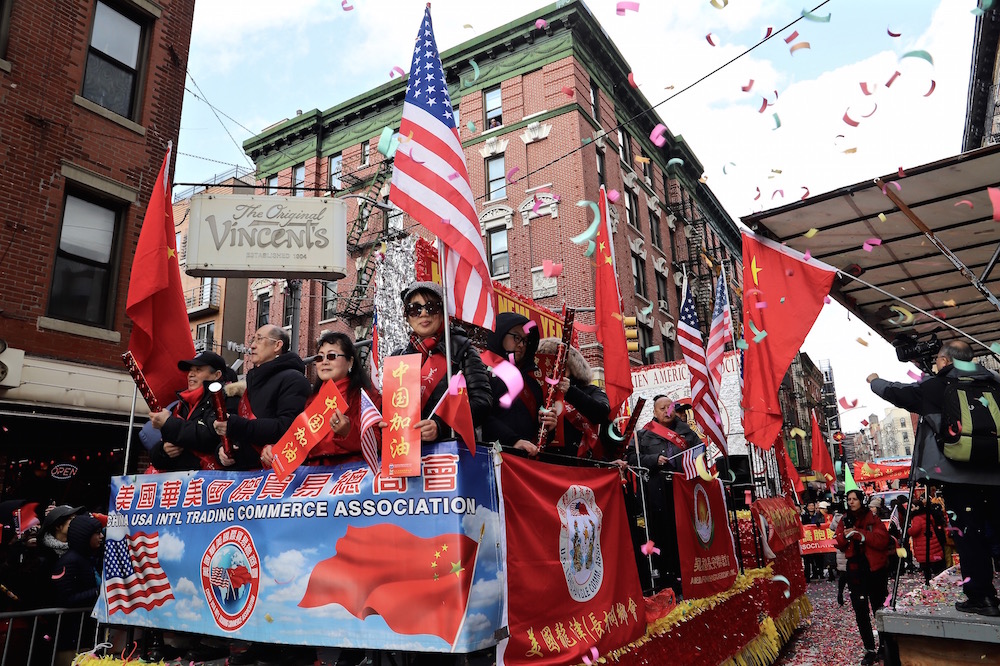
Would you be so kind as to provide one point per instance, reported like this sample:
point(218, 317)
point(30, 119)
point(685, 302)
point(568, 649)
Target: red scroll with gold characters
point(307, 430)
point(401, 411)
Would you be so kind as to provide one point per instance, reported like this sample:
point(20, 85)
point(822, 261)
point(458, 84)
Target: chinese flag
point(773, 273)
point(610, 328)
point(417, 585)
point(161, 334)
point(822, 464)
point(454, 409)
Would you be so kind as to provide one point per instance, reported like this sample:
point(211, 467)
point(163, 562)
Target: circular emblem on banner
point(704, 528)
point(230, 576)
point(580, 542)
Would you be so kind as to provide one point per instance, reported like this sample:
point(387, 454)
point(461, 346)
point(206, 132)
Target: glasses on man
point(333, 356)
point(260, 338)
point(415, 309)
point(518, 339)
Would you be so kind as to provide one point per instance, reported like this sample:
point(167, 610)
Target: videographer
point(969, 488)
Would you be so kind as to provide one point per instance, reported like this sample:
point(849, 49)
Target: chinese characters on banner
point(704, 541)
point(784, 523)
point(817, 539)
point(307, 430)
point(401, 411)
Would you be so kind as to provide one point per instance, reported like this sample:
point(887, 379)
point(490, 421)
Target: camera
point(921, 352)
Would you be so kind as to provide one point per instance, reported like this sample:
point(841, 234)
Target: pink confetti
point(551, 269)
point(528, 325)
point(758, 193)
point(541, 24)
point(747, 87)
point(445, 220)
point(965, 202)
point(994, 193)
point(965, 580)
point(511, 377)
point(900, 172)
point(846, 404)
point(807, 256)
point(888, 601)
point(595, 654)
point(538, 204)
point(864, 422)
point(551, 380)
point(792, 37)
point(657, 135)
point(346, 6)
point(626, 6)
point(59, 575)
point(893, 34)
point(826, 299)
point(649, 547)
point(915, 375)
point(767, 34)
point(708, 37)
point(453, 175)
point(613, 196)
point(567, 91)
point(396, 69)
point(805, 194)
point(933, 86)
point(874, 241)
point(761, 305)
point(891, 79)
point(457, 382)
point(789, 272)
point(585, 328)
point(631, 81)
point(866, 90)
point(510, 174)
point(776, 193)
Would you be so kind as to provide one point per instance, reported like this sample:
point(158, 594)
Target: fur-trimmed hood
point(577, 367)
point(236, 389)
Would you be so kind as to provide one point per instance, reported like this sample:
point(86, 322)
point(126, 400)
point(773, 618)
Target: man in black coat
point(275, 392)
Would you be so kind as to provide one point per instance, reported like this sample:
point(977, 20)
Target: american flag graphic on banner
point(704, 399)
point(132, 573)
point(430, 183)
point(370, 418)
point(720, 332)
point(219, 577)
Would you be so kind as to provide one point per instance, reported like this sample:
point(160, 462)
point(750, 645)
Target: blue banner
point(330, 557)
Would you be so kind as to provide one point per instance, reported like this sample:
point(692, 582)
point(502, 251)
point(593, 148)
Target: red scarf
point(666, 433)
point(191, 397)
point(434, 367)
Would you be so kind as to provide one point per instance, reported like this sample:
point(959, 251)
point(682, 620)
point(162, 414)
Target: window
point(329, 300)
point(496, 181)
point(595, 101)
point(210, 291)
point(4, 26)
point(84, 274)
point(263, 309)
point(113, 61)
point(667, 345)
point(205, 337)
point(298, 180)
point(906, 437)
point(654, 230)
point(336, 168)
point(647, 172)
point(494, 108)
point(179, 246)
point(661, 287)
point(458, 123)
point(639, 274)
point(600, 167)
point(632, 209)
point(366, 152)
point(496, 240)
point(645, 339)
point(624, 147)
point(272, 185)
point(902, 422)
point(287, 305)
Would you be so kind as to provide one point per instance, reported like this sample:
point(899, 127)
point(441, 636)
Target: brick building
point(92, 92)
point(550, 117)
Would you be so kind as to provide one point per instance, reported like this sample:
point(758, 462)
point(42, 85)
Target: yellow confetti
point(863, 342)
point(950, 302)
point(267, 616)
point(850, 151)
point(881, 217)
point(812, 232)
point(642, 160)
point(797, 432)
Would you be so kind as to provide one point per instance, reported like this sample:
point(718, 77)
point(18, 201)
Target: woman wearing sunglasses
point(338, 363)
point(422, 307)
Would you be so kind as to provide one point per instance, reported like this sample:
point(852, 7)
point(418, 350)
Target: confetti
point(396, 69)
point(528, 325)
point(917, 376)
point(267, 616)
point(933, 86)
point(642, 160)
point(847, 404)
point(471, 126)
point(798, 46)
point(742, 344)
point(709, 37)
point(468, 26)
point(881, 217)
point(792, 37)
point(727, 165)
point(613, 196)
point(541, 24)
point(761, 305)
point(776, 193)
point(768, 32)
point(758, 195)
point(649, 351)
point(656, 136)
point(865, 90)
point(457, 382)
point(593, 651)
point(591, 246)
point(995, 348)
point(717, 5)
point(59, 575)
point(346, 6)
point(631, 81)
point(626, 6)
point(777, 122)
point(387, 145)
point(923, 55)
point(788, 586)
point(850, 121)
point(551, 269)
point(747, 87)
point(805, 195)
point(816, 18)
point(510, 174)
point(994, 193)
point(812, 232)
point(648, 548)
point(569, 92)
point(763, 105)
point(758, 335)
point(511, 377)
point(891, 79)
point(781, 300)
point(964, 366)
point(907, 316)
point(675, 161)
point(891, 33)
point(950, 302)
point(453, 175)
point(614, 435)
point(965, 202)
point(585, 328)
point(699, 464)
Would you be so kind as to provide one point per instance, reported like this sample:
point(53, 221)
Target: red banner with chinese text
point(704, 540)
point(401, 410)
point(784, 523)
point(307, 430)
point(816, 539)
point(868, 472)
point(576, 556)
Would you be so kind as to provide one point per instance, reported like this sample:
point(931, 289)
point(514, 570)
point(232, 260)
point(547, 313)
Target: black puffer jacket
point(586, 398)
point(510, 425)
point(277, 391)
point(191, 429)
point(75, 575)
point(464, 359)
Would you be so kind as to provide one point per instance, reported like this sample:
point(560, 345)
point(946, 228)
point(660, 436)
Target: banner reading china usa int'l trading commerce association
point(329, 557)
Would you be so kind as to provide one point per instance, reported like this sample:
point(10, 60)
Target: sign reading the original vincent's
point(247, 236)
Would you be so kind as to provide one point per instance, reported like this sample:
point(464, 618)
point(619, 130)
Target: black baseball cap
point(208, 358)
point(58, 514)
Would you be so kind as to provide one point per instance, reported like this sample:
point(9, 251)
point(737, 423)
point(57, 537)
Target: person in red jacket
point(924, 531)
point(864, 540)
point(338, 363)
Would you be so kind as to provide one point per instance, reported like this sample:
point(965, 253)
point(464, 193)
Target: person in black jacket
point(188, 441)
point(583, 411)
point(275, 392)
point(78, 571)
point(517, 427)
point(424, 311)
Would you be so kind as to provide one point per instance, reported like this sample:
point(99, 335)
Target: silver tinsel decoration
point(395, 272)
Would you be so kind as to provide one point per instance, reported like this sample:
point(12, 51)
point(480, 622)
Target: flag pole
point(472, 579)
point(645, 514)
point(444, 305)
point(131, 423)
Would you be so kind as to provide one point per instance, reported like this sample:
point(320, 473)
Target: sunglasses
point(415, 309)
point(333, 356)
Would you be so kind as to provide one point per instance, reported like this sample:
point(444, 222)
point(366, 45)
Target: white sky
point(258, 66)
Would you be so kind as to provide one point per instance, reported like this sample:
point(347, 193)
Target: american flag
point(687, 462)
point(219, 577)
point(373, 358)
point(720, 332)
point(894, 518)
point(704, 399)
point(370, 418)
point(430, 183)
point(132, 573)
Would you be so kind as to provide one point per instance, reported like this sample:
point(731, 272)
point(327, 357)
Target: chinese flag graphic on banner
point(572, 582)
point(418, 585)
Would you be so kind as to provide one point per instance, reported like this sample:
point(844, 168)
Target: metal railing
point(36, 637)
point(203, 297)
point(241, 173)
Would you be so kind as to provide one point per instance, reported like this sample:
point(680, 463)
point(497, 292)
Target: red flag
point(454, 409)
point(417, 585)
point(430, 183)
point(704, 540)
point(773, 273)
point(610, 328)
point(161, 333)
point(822, 464)
point(787, 468)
